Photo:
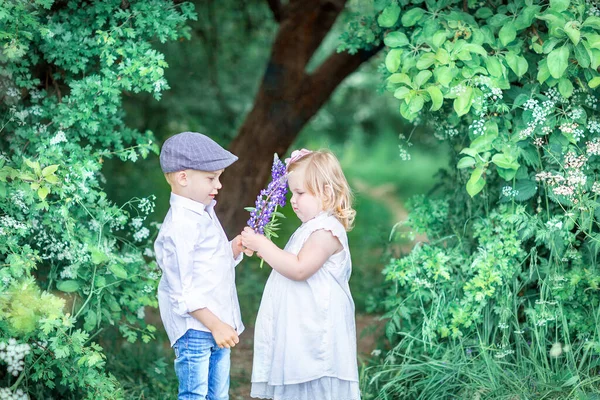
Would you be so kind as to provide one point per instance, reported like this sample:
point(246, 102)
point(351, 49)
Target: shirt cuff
point(187, 305)
point(239, 258)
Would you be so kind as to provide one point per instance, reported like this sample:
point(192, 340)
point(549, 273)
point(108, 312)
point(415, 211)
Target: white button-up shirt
point(198, 268)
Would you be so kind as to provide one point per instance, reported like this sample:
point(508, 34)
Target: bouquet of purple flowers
point(263, 217)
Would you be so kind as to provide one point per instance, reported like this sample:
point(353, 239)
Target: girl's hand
point(253, 241)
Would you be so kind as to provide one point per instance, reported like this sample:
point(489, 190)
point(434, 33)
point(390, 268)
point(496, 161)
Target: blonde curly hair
point(325, 179)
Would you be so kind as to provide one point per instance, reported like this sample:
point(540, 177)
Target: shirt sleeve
point(191, 274)
point(240, 256)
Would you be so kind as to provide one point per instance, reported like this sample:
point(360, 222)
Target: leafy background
point(490, 282)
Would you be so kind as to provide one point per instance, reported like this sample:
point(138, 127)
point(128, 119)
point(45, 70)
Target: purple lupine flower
point(262, 216)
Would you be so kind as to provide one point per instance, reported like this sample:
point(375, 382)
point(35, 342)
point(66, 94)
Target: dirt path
point(368, 328)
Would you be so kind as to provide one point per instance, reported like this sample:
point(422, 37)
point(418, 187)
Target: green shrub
point(72, 263)
point(502, 299)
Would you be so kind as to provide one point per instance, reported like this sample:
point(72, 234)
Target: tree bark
point(287, 98)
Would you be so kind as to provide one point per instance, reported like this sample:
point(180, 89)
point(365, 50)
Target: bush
point(73, 264)
point(502, 299)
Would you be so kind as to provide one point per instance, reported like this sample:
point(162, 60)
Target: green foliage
point(72, 263)
point(505, 289)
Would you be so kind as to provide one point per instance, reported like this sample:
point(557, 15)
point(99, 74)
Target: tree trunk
point(287, 98)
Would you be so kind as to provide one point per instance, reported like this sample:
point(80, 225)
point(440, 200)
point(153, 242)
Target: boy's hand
point(253, 240)
point(237, 247)
point(225, 336)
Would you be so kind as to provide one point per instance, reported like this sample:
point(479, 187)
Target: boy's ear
point(181, 178)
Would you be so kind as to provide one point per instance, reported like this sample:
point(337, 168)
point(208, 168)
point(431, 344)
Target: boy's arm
point(319, 246)
point(224, 335)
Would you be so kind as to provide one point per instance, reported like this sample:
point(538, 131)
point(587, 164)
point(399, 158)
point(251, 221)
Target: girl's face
point(305, 205)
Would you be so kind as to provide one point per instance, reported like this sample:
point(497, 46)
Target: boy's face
point(203, 186)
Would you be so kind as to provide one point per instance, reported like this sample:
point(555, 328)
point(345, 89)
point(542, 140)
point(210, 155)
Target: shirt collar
point(189, 204)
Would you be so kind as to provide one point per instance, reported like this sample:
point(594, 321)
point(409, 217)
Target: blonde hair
point(170, 177)
point(323, 171)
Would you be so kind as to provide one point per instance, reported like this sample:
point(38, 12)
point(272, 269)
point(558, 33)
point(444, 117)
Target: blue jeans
point(201, 367)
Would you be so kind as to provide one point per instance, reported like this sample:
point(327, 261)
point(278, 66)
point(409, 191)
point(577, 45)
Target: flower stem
point(267, 234)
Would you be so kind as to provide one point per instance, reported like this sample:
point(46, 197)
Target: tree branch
point(275, 6)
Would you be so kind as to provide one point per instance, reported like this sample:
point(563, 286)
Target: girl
point(305, 335)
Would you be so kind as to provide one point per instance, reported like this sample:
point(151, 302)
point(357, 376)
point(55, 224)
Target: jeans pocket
point(176, 349)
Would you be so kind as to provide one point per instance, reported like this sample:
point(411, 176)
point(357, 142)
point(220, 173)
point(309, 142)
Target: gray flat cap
point(191, 150)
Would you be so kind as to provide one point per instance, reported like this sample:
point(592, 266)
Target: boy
point(196, 295)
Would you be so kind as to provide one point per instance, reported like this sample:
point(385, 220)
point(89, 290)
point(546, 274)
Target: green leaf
point(462, 104)
point(465, 162)
point(401, 92)
point(412, 16)
point(405, 111)
point(491, 129)
point(520, 100)
point(439, 38)
point(416, 104)
point(593, 40)
point(592, 22)
point(559, 5)
point(565, 87)
point(582, 55)
point(469, 151)
point(476, 183)
point(518, 64)
point(558, 61)
point(444, 75)
point(425, 61)
point(421, 78)
point(437, 98)
point(507, 33)
point(395, 39)
point(493, 66)
point(118, 270)
point(498, 20)
point(49, 170)
point(543, 71)
point(505, 161)
point(442, 56)
point(43, 192)
point(506, 174)
point(98, 256)
point(526, 189)
point(550, 44)
point(484, 13)
point(400, 78)
point(571, 381)
point(484, 142)
point(476, 49)
point(31, 164)
point(594, 82)
point(526, 17)
point(572, 30)
point(53, 179)
point(67, 286)
point(389, 15)
point(595, 59)
point(392, 60)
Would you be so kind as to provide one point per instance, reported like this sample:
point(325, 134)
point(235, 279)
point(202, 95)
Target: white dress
point(305, 334)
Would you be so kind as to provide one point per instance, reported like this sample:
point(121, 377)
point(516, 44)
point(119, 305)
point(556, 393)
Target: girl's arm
point(319, 246)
